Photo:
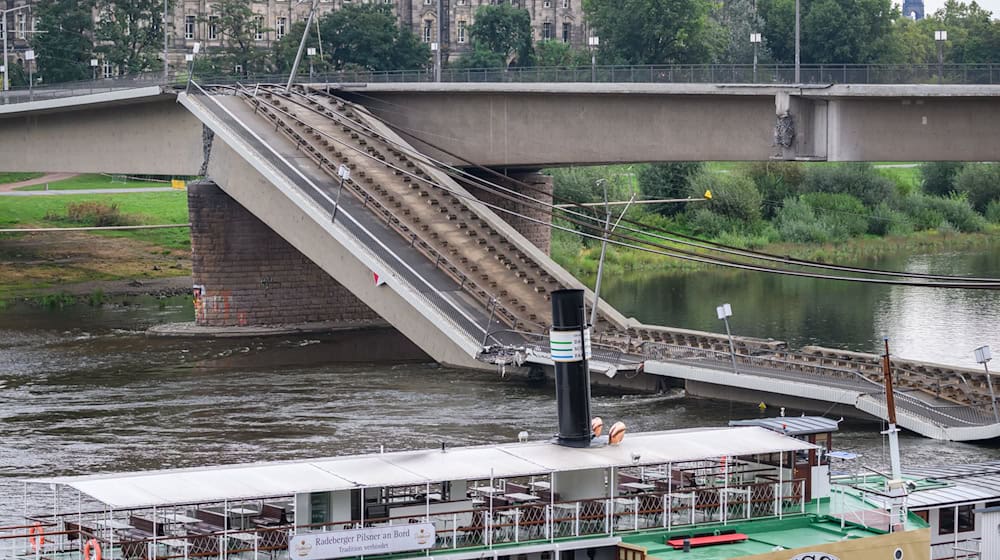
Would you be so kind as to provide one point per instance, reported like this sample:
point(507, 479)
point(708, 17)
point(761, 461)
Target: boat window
point(966, 519)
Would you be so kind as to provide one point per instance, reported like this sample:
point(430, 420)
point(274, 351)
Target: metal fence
point(761, 74)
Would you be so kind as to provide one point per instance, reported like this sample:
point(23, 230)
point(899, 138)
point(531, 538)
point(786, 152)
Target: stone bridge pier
point(245, 274)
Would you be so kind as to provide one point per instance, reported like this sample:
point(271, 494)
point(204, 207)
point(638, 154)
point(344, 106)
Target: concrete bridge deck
point(458, 276)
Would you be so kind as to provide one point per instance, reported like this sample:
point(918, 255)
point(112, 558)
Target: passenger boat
point(738, 492)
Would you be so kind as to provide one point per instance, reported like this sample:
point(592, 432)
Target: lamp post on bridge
point(983, 356)
point(725, 311)
point(940, 37)
point(755, 40)
point(3, 35)
point(93, 66)
point(593, 43)
point(798, 76)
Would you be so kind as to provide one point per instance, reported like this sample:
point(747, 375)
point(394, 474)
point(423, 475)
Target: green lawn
point(93, 181)
point(145, 208)
point(16, 177)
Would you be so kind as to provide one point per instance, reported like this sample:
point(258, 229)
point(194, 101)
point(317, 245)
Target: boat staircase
point(470, 288)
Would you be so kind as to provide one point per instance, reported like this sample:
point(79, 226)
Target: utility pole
point(440, 43)
point(166, 64)
point(798, 76)
point(302, 45)
point(3, 32)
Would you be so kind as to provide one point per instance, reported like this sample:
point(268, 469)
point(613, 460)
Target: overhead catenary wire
point(668, 235)
point(629, 242)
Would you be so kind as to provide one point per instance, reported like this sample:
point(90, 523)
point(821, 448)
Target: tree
point(558, 53)
point(980, 182)
point(503, 30)
point(973, 36)
point(238, 27)
point(732, 23)
point(651, 31)
point(938, 177)
point(367, 36)
point(833, 31)
point(64, 47)
point(286, 47)
point(130, 34)
point(667, 180)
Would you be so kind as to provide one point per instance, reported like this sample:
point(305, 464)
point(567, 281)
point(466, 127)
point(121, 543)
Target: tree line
point(129, 36)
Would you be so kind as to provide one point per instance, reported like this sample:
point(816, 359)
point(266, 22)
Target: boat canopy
point(264, 480)
point(792, 425)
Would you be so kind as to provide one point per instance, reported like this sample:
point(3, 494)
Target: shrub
point(929, 212)
point(844, 215)
point(993, 211)
point(667, 180)
point(980, 182)
point(96, 214)
point(733, 196)
point(885, 220)
point(797, 223)
point(706, 223)
point(776, 181)
point(938, 177)
point(859, 180)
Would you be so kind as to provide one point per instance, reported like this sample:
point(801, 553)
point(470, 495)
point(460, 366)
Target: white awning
point(262, 480)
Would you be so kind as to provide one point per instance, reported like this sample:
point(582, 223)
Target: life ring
point(92, 546)
point(36, 536)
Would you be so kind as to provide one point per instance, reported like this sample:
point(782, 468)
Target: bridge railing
point(762, 74)
point(23, 94)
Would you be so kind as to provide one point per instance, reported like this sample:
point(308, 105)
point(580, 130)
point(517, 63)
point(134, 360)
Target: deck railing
point(484, 527)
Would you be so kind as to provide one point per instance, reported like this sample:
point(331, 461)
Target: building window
point(22, 25)
point(107, 69)
point(428, 2)
point(213, 27)
point(547, 4)
point(565, 3)
point(428, 25)
point(546, 31)
point(189, 27)
point(567, 32)
point(461, 2)
point(258, 28)
point(282, 26)
point(461, 31)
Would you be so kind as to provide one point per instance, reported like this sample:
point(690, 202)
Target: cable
point(677, 237)
point(662, 250)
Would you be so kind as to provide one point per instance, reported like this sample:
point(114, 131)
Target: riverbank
point(582, 260)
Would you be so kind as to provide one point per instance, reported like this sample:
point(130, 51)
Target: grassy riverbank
point(582, 259)
point(92, 181)
point(38, 263)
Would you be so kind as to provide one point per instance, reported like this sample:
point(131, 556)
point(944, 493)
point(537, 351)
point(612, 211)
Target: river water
point(83, 390)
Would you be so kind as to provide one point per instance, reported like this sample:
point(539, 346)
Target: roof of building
point(959, 484)
point(260, 480)
point(792, 425)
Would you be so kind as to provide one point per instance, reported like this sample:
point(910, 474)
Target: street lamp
point(593, 43)
point(345, 174)
point(983, 356)
point(93, 65)
point(798, 77)
point(3, 35)
point(725, 311)
point(755, 40)
point(189, 58)
point(311, 52)
point(940, 37)
point(436, 49)
point(29, 61)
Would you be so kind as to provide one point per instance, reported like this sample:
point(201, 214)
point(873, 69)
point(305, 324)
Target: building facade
point(192, 21)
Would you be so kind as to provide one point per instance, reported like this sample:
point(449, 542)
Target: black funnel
point(569, 342)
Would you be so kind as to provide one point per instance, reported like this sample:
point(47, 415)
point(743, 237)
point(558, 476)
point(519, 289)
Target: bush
point(667, 180)
point(993, 211)
point(776, 181)
point(938, 177)
point(797, 223)
point(707, 223)
point(96, 214)
point(980, 182)
point(733, 196)
point(859, 180)
point(885, 220)
point(822, 218)
point(930, 212)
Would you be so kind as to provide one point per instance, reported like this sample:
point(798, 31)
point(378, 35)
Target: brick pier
point(245, 274)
